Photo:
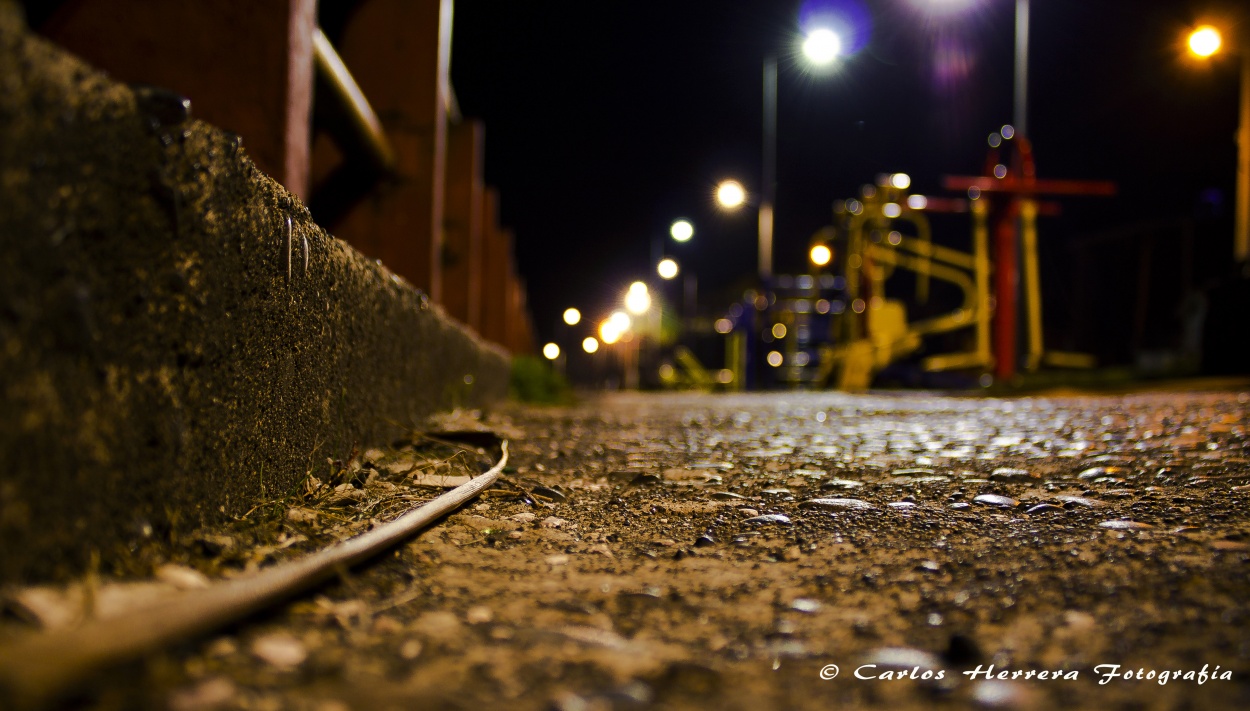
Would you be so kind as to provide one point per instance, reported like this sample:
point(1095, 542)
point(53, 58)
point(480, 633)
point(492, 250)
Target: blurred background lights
point(572, 317)
point(681, 230)
point(779, 330)
point(551, 351)
point(590, 345)
point(902, 181)
point(609, 332)
point(917, 202)
point(724, 325)
point(1205, 41)
point(620, 321)
point(667, 268)
point(1000, 171)
point(724, 376)
point(891, 210)
point(775, 359)
point(995, 140)
point(730, 194)
point(1007, 131)
point(637, 301)
point(822, 45)
point(821, 255)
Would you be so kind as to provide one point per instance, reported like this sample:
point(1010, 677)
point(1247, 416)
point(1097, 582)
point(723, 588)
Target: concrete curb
point(178, 339)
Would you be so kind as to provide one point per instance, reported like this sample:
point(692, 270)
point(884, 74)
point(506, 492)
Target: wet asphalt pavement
point(806, 550)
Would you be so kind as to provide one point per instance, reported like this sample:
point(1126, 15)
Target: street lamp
point(551, 351)
point(821, 255)
point(667, 268)
point(637, 299)
point(730, 194)
point(1205, 42)
point(590, 344)
point(572, 316)
point(682, 231)
point(822, 45)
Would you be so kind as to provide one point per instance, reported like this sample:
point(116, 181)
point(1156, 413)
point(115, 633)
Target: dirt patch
point(615, 566)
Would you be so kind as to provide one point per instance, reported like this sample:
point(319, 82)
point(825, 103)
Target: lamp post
point(821, 46)
point(1205, 42)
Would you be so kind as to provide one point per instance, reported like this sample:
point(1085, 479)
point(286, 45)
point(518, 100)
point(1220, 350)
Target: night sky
point(605, 121)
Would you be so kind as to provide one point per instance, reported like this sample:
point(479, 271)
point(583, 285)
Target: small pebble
point(853, 504)
point(279, 649)
point(996, 500)
point(774, 519)
point(1125, 525)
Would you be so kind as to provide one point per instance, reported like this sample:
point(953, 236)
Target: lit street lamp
point(821, 255)
point(682, 231)
point(637, 299)
point(572, 316)
point(667, 268)
point(1205, 42)
point(821, 46)
point(730, 194)
point(551, 351)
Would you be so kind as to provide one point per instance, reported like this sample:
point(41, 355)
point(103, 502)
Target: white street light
point(730, 194)
point(667, 268)
point(822, 45)
point(682, 230)
point(637, 301)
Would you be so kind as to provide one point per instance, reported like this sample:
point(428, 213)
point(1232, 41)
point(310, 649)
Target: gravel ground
point(694, 551)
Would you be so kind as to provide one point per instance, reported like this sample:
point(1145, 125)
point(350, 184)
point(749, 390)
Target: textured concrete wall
point(169, 349)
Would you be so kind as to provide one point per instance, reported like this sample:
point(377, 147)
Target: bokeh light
point(902, 181)
point(775, 359)
point(723, 325)
point(730, 194)
point(551, 351)
point(667, 268)
point(638, 300)
point(821, 255)
point(590, 345)
point(681, 230)
point(572, 316)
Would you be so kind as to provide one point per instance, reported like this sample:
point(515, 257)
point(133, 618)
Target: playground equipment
point(875, 332)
